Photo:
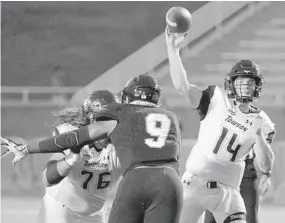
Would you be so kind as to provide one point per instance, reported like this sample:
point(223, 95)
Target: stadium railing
point(36, 96)
point(48, 96)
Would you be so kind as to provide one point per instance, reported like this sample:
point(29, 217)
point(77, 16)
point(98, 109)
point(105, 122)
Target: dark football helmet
point(244, 68)
point(141, 88)
point(93, 104)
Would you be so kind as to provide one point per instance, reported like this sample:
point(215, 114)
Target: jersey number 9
point(157, 126)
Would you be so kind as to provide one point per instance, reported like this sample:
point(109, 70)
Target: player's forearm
point(73, 140)
point(55, 172)
point(265, 158)
point(59, 143)
point(178, 75)
point(177, 72)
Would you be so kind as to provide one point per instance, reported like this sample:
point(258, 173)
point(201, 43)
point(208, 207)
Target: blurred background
point(55, 53)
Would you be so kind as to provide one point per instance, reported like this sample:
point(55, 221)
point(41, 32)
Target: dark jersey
point(142, 133)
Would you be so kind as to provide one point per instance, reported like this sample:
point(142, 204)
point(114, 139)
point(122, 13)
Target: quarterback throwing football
point(229, 128)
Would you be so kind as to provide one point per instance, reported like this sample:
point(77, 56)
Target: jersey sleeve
point(115, 165)
point(206, 101)
point(111, 111)
point(268, 127)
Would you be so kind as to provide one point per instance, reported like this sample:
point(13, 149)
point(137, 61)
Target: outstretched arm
point(73, 140)
point(178, 74)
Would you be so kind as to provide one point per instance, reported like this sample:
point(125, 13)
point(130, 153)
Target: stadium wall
point(154, 53)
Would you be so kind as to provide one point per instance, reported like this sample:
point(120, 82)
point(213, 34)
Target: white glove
point(20, 151)
point(264, 184)
point(73, 158)
point(174, 41)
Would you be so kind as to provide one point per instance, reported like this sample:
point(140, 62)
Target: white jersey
point(84, 190)
point(226, 137)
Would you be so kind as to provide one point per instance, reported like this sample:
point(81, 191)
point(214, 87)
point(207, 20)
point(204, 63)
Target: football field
point(16, 210)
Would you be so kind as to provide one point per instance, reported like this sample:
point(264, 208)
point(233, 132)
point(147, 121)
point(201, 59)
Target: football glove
point(73, 158)
point(20, 151)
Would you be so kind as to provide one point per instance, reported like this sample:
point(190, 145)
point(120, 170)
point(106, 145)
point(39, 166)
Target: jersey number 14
point(230, 149)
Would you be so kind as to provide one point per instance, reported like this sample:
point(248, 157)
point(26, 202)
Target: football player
point(250, 188)
point(230, 126)
point(147, 142)
point(79, 184)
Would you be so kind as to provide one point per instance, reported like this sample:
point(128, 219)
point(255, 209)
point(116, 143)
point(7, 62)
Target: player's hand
point(73, 158)
point(264, 184)
point(257, 124)
point(20, 151)
point(174, 41)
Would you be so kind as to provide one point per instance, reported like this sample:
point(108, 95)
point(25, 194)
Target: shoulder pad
point(268, 127)
point(111, 111)
point(267, 120)
point(211, 88)
point(205, 100)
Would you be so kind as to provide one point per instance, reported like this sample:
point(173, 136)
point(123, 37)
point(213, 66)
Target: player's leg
point(128, 204)
point(192, 210)
point(167, 203)
point(231, 208)
point(249, 192)
point(52, 211)
point(209, 218)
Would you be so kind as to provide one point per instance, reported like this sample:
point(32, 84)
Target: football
point(178, 20)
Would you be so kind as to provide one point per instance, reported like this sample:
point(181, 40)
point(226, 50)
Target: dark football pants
point(148, 195)
point(249, 192)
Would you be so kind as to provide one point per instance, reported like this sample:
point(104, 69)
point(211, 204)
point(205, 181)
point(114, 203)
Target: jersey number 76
point(102, 183)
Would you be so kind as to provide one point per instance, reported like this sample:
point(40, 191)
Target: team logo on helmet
point(94, 102)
